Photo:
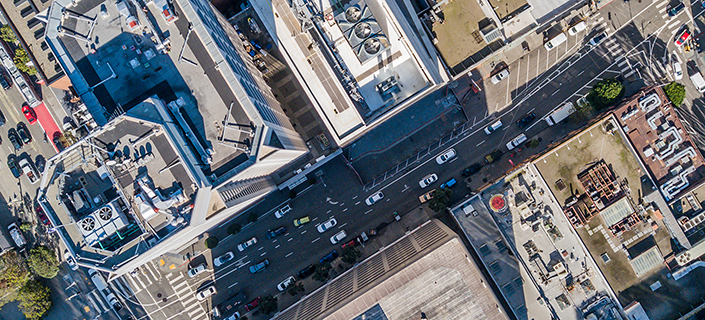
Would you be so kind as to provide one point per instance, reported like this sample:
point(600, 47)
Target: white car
point(445, 156)
point(500, 76)
point(338, 236)
point(677, 70)
point(205, 293)
point(323, 227)
point(29, 171)
point(493, 127)
point(516, 141)
point(374, 198)
point(70, 261)
point(582, 25)
point(286, 283)
point(282, 211)
point(246, 244)
point(428, 180)
point(234, 316)
point(223, 259)
point(195, 271)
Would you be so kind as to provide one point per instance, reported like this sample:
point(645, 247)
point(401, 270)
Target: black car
point(24, 133)
point(3, 81)
point(526, 120)
point(40, 162)
point(12, 164)
point(14, 138)
point(273, 233)
point(2, 119)
point(475, 167)
point(676, 9)
point(329, 257)
point(305, 272)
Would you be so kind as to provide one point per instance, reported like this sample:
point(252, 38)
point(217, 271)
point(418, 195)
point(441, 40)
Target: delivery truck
point(560, 114)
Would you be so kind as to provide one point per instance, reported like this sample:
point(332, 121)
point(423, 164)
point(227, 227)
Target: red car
point(29, 114)
point(253, 304)
point(349, 244)
point(682, 38)
point(43, 217)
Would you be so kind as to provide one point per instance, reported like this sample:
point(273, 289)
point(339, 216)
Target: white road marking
point(368, 211)
point(481, 142)
point(342, 225)
point(673, 25)
point(277, 246)
point(314, 240)
point(288, 254)
point(260, 249)
point(355, 197)
point(263, 253)
point(346, 209)
point(661, 4)
point(232, 285)
point(356, 203)
point(289, 239)
point(581, 72)
point(302, 232)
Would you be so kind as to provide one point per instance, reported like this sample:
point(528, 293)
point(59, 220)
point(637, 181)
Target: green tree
point(440, 199)
point(25, 226)
point(7, 35)
point(234, 228)
point(322, 271)
point(605, 93)
point(252, 217)
point(211, 242)
point(268, 304)
point(43, 262)
point(15, 272)
point(22, 62)
point(350, 255)
point(583, 112)
point(296, 288)
point(34, 298)
point(675, 92)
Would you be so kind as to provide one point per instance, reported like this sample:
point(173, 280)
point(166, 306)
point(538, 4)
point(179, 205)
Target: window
point(518, 281)
point(605, 257)
point(485, 250)
point(495, 267)
point(500, 245)
point(508, 289)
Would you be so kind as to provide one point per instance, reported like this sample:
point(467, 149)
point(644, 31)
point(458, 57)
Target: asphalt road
point(638, 39)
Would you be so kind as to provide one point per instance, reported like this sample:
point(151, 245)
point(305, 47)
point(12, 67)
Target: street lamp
point(56, 229)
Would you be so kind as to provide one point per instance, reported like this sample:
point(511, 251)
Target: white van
point(560, 38)
point(582, 25)
point(698, 81)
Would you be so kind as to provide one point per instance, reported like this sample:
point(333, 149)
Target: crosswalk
point(187, 296)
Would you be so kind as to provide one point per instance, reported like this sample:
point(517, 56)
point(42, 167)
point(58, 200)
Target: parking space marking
point(288, 254)
point(314, 240)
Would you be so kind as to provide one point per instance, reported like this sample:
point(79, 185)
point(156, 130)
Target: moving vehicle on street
point(282, 211)
point(70, 261)
point(516, 141)
point(259, 267)
point(526, 120)
point(301, 221)
point(374, 198)
point(677, 70)
point(493, 127)
point(445, 156)
point(223, 258)
point(330, 223)
point(560, 114)
point(597, 39)
point(428, 180)
point(273, 233)
point(683, 36)
point(241, 247)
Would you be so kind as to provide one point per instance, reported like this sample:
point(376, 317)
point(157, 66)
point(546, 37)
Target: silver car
point(197, 270)
point(500, 76)
point(323, 227)
point(338, 236)
point(241, 247)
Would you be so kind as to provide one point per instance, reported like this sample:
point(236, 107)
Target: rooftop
point(661, 141)
point(128, 185)
point(428, 271)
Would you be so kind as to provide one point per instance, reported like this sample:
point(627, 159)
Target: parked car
point(428, 180)
point(241, 247)
point(449, 183)
point(305, 272)
point(12, 164)
point(4, 82)
point(374, 198)
point(475, 167)
point(426, 196)
point(14, 139)
point(338, 236)
point(500, 76)
point(494, 155)
point(517, 141)
point(22, 130)
point(29, 171)
point(259, 267)
point(196, 270)
point(223, 258)
point(29, 114)
point(329, 257)
point(526, 120)
point(351, 243)
point(580, 26)
point(253, 304)
point(282, 211)
point(273, 233)
point(597, 39)
point(70, 261)
point(301, 221)
point(2, 119)
point(445, 156)
point(330, 223)
point(286, 283)
point(677, 70)
point(42, 216)
point(675, 10)
point(205, 293)
point(683, 36)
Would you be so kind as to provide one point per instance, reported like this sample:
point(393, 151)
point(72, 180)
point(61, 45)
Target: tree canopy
point(440, 199)
point(34, 298)
point(605, 93)
point(43, 262)
point(675, 93)
point(7, 35)
point(22, 62)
